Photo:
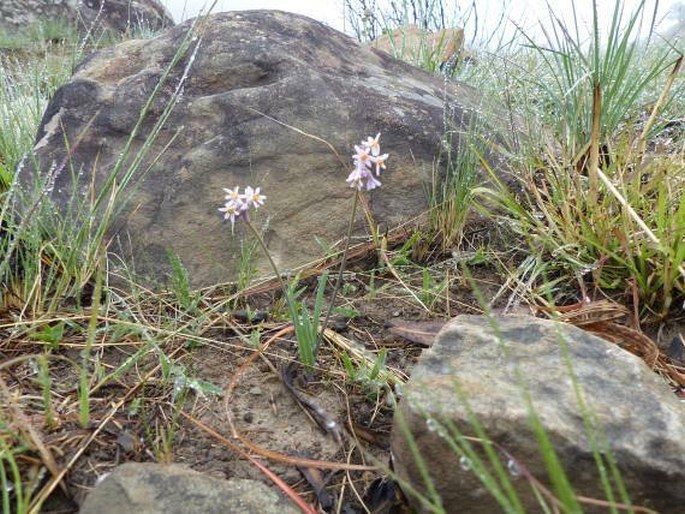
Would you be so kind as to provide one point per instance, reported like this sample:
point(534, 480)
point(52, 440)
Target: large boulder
point(492, 366)
point(117, 16)
point(271, 99)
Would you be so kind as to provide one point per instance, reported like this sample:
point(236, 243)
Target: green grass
point(46, 261)
point(598, 107)
point(25, 88)
point(38, 36)
point(454, 183)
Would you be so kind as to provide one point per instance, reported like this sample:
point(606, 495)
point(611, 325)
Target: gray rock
point(147, 488)
point(643, 422)
point(118, 16)
point(252, 68)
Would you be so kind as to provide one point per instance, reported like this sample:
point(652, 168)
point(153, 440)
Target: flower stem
point(265, 250)
point(338, 282)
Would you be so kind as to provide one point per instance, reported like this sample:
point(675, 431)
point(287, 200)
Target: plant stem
point(265, 250)
point(340, 272)
point(594, 144)
point(84, 379)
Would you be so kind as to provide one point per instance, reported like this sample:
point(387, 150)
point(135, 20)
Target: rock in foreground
point(643, 422)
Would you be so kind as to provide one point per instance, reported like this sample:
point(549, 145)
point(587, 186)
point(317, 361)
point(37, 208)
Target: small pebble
point(676, 350)
point(338, 324)
point(126, 441)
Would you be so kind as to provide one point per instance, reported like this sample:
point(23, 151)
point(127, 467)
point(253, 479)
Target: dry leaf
point(419, 332)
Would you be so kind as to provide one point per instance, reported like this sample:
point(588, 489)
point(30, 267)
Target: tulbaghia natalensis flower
point(231, 211)
point(252, 197)
point(234, 195)
point(379, 161)
point(373, 144)
point(367, 155)
point(237, 204)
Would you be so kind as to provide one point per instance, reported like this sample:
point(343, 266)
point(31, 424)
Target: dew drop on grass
point(34, 366)
point(437, 428)
point(513, 467)
point(399, 391)
point(465, 463)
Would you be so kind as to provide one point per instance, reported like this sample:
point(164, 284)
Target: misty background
point(480, 19)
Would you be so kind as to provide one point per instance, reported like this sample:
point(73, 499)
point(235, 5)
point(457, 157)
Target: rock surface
point(118, 16)
point(260, 84)
point(147, 488)
point(642, 420)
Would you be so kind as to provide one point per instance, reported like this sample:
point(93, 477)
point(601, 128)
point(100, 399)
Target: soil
point(236, 388)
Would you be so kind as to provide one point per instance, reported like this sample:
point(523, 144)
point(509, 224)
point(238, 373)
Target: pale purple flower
point(367, 155)
point(234, 195)
point(252, 197)
point(379, 161)
point(373, 145)
point(361, 177)
point(237, 205)
point(362, 155)
point(354, 179)
point(371, 181)
point(232, 211)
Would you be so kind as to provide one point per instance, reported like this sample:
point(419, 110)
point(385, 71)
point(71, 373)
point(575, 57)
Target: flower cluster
point(237, 204)
point(367, 156)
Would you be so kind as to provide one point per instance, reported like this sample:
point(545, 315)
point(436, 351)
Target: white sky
point(328, 11)
point(525, 12)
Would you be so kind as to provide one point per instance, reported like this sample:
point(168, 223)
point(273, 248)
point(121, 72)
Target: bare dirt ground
point(254, 395)
point(235, 388)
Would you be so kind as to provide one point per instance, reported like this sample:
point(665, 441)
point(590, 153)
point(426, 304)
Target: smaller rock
point(414, 45)
point(676, 350)
point(127, 441)
point(640, 420)
point(149, 488)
